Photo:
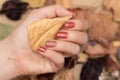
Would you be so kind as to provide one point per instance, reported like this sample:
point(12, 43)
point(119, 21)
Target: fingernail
point(69, 24)
point(62, 35)
point(73, 11)
point(50, 44)
point(42, 49)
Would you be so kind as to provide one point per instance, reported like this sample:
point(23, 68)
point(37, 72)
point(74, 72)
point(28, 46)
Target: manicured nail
point(73, 11)
point(42, 49)
point(69, 24)
point(50, 44)
point(62, 35)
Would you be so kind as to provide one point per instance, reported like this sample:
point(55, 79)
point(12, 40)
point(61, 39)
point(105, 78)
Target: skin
point(17, 58)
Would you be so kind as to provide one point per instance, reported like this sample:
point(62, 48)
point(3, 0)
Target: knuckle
point(77, 49)
point(61, 62)
point(78, 22)
point(75, 35)
point(79, 37)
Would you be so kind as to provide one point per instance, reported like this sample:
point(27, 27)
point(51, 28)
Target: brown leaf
point(35, 3)
point(42, 30)
point(49, 2)
point(1, 3)
point(81, 14)
point(64, 75)
point(64, 3)
point(110, 65)
point(85, 4)
point(102, 28)
point(115, 6)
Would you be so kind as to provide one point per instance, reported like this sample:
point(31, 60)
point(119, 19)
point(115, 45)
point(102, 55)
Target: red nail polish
point(62, 35)
point(42, 49)
point(69, 24)
point(73, 11)
point(50, 44)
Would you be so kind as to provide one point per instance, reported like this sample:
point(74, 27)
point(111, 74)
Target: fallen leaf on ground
point(1, 3)
point(115, 6)
point(102, 28)
point(64, 3)
point(87, 4)
point(35, 3)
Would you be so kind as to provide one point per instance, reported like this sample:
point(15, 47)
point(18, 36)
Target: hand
point(50, 58)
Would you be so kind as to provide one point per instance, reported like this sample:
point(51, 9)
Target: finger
point(63, 46)
point(47, 12)
point(72, 36)
point(54, 56)
point(54, 11)
point(76, 25)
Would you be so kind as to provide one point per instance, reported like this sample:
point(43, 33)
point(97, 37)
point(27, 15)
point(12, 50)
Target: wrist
point(7, 61)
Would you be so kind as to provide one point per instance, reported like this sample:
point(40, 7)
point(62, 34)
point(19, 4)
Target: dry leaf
point(82, 57)
point(41, 31)
point(64, 3)
point(107, 4)
point(35, 3)
point(115, 58)
point(87, 4)
point(101, 26)
point(5, 30)
point(49, 2)
point(81, 14)
point(110, 65)
point(103, 29)
point(115, 6)
point(116, 44)
point(64, 75)
point(1, 3)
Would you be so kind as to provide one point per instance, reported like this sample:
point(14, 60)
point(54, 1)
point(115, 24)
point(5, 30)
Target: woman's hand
point(49, 58)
